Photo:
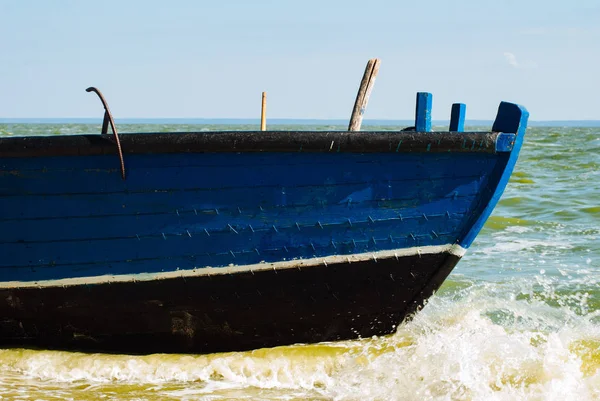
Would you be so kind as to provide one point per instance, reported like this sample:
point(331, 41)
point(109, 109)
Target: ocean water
point(518, 319)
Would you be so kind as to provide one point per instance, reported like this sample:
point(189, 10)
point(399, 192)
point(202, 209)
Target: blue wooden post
point(457, 117)
point(423, 112)
point(511, 118)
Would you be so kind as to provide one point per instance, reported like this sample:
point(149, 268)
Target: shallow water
point(519, 318)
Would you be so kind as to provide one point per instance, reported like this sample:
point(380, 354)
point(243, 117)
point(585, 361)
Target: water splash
point(501, 341)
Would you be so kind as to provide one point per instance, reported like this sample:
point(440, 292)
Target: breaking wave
point(500, 341)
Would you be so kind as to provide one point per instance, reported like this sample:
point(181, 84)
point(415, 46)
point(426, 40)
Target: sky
point(212, 59)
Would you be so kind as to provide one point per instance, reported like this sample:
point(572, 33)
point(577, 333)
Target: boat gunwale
point(257, 141)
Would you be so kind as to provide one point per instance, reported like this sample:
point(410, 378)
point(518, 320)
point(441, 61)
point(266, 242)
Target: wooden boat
point(222, 241)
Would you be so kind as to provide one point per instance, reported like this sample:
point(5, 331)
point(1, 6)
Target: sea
point(518, 318)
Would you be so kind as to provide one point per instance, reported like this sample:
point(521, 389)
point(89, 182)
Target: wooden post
point(364, 91)
point(423, 112)
point(457, 117)
point(263, 112)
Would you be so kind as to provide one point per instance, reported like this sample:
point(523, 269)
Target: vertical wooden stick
point(364, 91)
point(263, 112)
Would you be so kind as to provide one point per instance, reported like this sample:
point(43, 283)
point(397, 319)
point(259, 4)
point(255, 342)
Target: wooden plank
point(350, 169)
point(188, 223)
point(364, 91)
point(423, 112)
point(457, 117)
point(234, 143)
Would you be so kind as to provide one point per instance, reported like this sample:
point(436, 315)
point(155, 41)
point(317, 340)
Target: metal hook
point(109, 119)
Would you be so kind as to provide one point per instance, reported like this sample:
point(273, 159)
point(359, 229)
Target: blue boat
point(225, 241)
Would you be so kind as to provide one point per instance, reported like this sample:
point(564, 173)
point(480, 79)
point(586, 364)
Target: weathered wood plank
point(364, 91)
point(241, 142)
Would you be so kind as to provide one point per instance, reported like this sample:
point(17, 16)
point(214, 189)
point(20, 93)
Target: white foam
point(491, 341)
point(506, 245)
point(517, 229)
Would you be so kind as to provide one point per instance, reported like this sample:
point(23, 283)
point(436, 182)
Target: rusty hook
point(109, 119)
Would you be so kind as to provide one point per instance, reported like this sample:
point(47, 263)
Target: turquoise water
point(519, 318)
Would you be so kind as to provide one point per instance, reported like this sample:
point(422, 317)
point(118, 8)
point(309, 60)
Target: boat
point(202, 242)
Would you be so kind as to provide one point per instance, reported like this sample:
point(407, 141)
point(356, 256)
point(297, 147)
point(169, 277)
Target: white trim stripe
point(453, 249)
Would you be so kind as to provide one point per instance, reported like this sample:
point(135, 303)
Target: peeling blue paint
point(423, 112)
point(505, 142)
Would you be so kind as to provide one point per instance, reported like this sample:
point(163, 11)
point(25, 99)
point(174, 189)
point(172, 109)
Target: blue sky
point(212, 59)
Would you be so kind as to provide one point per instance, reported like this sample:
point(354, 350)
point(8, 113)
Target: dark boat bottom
point(219, 313)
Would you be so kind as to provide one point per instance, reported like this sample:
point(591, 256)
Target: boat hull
point(72, 217)
point(226, 312)
point(209, 242)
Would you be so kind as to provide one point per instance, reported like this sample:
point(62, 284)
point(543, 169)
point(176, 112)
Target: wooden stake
point(364, 91)
point(423, 112)
point(457, 117)
point(263, 112)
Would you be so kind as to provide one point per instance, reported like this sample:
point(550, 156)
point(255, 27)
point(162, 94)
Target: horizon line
point(125, 120)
